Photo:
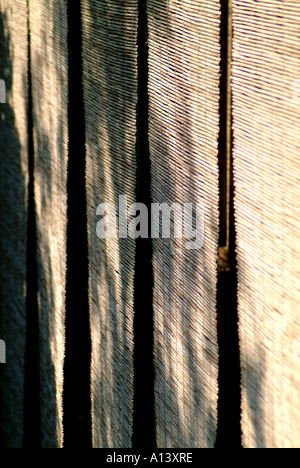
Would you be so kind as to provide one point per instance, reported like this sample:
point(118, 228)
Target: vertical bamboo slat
point(184, 57)
point(110, 93)
point(13, 215)
point(266, 120)
point(49, 71)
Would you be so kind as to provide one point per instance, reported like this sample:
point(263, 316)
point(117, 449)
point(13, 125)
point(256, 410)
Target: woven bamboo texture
point(266, 119)
point(184, 56)
point(110, 93)
point(13, 215)
point(48, 31)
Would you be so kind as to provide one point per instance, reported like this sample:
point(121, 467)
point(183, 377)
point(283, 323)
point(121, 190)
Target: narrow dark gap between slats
point(229, 404)
point(144, 413)
point(76, 395)
point(32, 436)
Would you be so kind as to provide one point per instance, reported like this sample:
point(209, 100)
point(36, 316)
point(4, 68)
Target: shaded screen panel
point(184, 56)
point(266, 116)
point(48, 30)
point(110, 93)
point(13, 215)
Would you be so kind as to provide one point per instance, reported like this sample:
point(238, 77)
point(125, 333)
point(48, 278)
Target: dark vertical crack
point(144, 414)
point(32, 435)
point(76, 395)
point(223, 134)
point(229, 404)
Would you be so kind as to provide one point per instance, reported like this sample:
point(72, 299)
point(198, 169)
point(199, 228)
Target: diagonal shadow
point(41, 390)
point(180, 294)
point(12, 256)
point(112, 174)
